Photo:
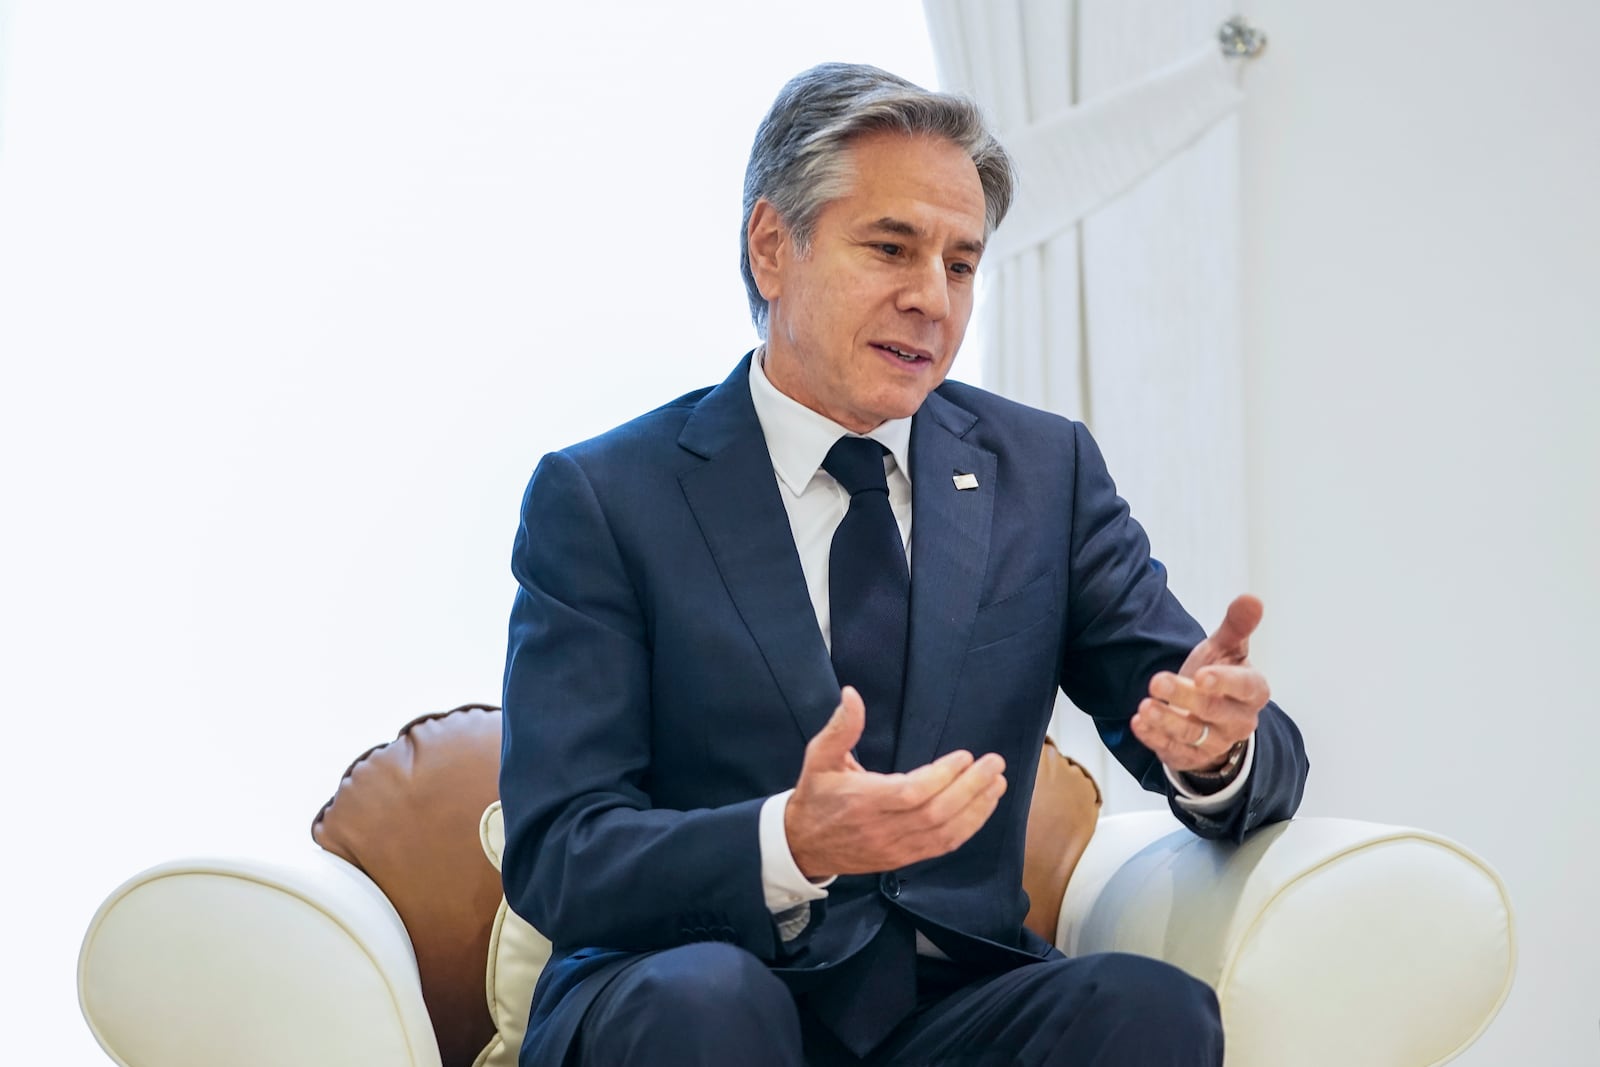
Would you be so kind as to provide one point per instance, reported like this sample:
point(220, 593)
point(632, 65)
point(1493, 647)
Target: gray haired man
point(768, 756)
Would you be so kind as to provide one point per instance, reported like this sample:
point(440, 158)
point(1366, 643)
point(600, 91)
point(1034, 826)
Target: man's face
point(866, 324)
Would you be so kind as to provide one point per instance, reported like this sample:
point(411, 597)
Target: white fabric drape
point(1113, 298)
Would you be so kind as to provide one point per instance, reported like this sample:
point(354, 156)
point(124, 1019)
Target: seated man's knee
point(1150, 991)
point(709, 977)
point(705, 1003)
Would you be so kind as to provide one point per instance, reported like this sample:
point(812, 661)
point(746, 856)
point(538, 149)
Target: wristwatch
point(1223, 774)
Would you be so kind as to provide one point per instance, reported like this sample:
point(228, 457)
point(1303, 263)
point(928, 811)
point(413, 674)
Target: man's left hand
point(1193, 718)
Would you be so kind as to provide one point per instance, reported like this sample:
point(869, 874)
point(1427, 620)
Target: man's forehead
point(895, 179)
point(898, 143)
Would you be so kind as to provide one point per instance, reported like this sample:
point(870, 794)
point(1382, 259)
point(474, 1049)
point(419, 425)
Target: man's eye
point(962, 268)
point(890, 249)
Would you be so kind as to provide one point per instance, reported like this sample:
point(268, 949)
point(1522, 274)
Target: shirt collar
point(798, 439)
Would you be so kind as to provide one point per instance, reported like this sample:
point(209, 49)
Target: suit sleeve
point(588, 860)
point(1123, 627)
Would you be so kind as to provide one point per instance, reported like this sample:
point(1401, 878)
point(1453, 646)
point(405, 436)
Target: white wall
point(1422, 328)
point(292, 297)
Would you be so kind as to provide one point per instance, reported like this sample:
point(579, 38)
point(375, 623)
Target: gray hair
point(798, 159)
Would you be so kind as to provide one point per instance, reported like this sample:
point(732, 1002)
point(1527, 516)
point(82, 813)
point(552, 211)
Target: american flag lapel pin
point(964, 481)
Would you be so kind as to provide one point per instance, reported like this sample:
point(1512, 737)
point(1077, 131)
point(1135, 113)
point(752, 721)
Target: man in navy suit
point(738, 859)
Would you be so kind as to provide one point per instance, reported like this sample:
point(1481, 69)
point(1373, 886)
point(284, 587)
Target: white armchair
point(1328, 942)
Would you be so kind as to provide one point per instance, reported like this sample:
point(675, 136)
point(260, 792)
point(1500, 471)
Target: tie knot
point(857, 464)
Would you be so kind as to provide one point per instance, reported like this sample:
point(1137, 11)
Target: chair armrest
point(254, 964)
point(1328, 941)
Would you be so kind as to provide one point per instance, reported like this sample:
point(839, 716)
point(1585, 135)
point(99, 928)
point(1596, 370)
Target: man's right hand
point(845, 819)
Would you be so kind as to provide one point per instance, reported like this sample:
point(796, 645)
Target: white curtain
point(1112, 293)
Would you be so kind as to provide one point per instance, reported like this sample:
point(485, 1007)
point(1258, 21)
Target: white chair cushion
point(517, 955)
point(1328, 941)
point(253, 963)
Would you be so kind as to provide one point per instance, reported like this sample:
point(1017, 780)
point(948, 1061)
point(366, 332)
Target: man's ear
point(768, 240)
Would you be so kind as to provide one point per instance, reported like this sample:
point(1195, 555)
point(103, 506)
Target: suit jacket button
point(890, 886)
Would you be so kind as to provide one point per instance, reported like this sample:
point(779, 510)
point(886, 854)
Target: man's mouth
point(904, 355)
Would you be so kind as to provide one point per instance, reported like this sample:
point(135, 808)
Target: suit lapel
point(734, 498)
point(950, 531)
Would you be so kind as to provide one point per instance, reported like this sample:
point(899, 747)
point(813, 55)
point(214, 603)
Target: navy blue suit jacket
point(665, 672)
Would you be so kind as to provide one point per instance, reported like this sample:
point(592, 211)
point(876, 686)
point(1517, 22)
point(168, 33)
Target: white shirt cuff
point(786, 888)
point(1211, 803)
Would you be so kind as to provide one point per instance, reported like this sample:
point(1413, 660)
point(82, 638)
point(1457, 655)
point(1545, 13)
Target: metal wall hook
point(1240, 40)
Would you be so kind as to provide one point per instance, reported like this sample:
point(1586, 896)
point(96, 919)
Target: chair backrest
point(407, 814)
point(1066, 807)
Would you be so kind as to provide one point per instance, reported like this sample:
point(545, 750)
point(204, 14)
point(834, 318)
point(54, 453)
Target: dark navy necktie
point(869, 603)
point(869, 596)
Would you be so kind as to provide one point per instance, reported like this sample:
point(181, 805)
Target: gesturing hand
point(845, 819)
point(1214, 699)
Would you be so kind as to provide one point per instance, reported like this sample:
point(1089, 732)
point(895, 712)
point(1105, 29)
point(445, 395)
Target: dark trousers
point(716, 1005)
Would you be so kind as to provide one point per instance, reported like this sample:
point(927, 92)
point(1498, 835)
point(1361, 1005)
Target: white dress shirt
point(798, 440)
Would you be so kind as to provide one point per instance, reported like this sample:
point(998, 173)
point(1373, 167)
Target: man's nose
point(927, 290)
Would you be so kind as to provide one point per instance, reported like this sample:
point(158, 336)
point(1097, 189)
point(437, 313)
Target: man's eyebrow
point(900, 227)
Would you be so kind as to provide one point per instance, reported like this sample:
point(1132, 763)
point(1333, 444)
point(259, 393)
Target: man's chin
point(910, 403)
point(883, 413)
point(885, 406)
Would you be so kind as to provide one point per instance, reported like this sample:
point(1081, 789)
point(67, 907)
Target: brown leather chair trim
point(406, 813)
point(1066, 806)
